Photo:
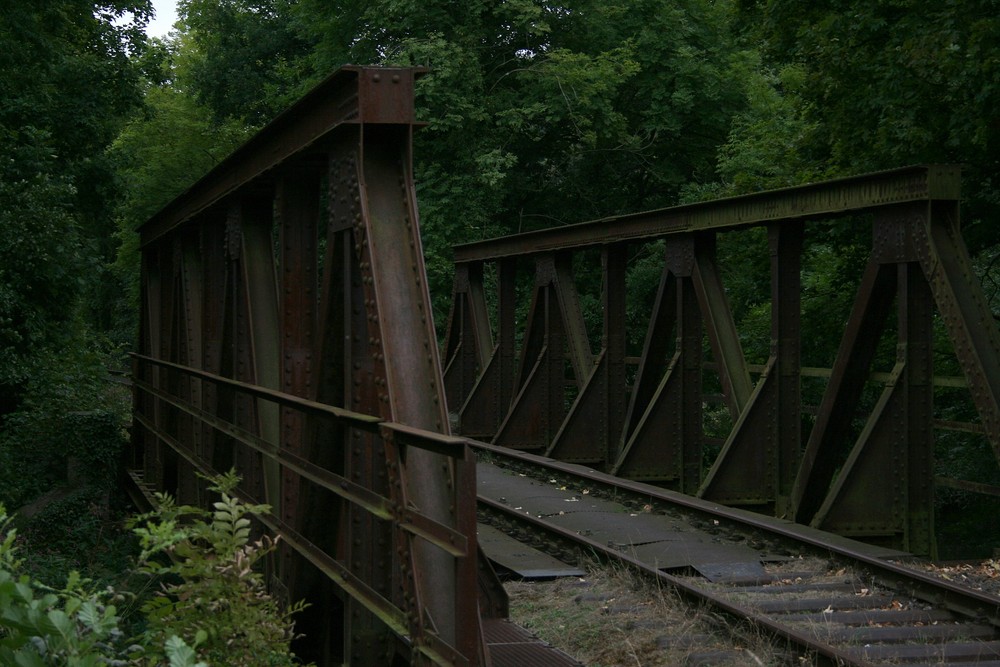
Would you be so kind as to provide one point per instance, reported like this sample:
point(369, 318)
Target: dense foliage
point(69, 80)
point(71, 75)
point(217, 613)
point(538, 114)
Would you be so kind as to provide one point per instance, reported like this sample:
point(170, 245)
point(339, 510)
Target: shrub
point(220, 599)
point(40, 626)
point(213, 610)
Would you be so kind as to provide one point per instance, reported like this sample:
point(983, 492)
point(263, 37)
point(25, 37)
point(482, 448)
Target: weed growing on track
point(613, 618)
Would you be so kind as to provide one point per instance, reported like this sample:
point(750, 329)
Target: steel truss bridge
point(286, 331)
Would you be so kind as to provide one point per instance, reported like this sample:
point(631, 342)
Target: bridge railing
point(286, 331)
point(536, 377)
point(352, 511)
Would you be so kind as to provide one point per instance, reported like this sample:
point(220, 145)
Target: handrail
point(409, 519)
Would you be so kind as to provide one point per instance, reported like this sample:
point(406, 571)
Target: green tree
point(852, 87)
point(244, 57)
point(861, 86)
point(221, 601)
point(897, 82)
point(544, 114)
point(158, 155)
point(68, 82)
point(218, 612)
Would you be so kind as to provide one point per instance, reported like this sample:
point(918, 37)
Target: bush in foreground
point(216, 612)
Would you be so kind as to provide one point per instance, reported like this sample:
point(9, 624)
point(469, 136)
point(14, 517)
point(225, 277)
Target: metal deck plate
point(521, 559)
point(734, 572)
point(696, 553)
point(513, 646)
point(656, 539)
point(621, 529)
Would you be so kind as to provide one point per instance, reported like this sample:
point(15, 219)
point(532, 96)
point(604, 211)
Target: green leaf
point(61, 623)
point(28, 658)
point(180, 654)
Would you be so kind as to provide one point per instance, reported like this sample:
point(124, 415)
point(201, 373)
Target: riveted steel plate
point(693, 550)
point(536, 497)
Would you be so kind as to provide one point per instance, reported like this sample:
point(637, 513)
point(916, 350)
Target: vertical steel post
point(296, 209)
point(506, 316)
point(192, 299)
point(469, 341)
point(756, 467)
point(785, 242)
point(615, 261)
point(916, 332)
point(213, 251)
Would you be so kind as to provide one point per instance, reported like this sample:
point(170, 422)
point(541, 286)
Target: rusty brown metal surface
point(469, 341)
point(669, 544)
point(665, 445)
point(967, 317)
point(348, 96)
point(318, 378)
point(512, 646)
point(758, 461)
point(823, 465)
point(809, 202)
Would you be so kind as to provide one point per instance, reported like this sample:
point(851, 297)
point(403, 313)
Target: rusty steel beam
point(189, 488)
point(882, 484)
point(260, 342)
point(804, 202)
point(297, 214)
point(351, 95)
point(484, 406)
point(556, 333)
point(665, 443)
point(415, 523)
point(468, 341)
point(719, 325)
point(247, 332)
point(968, 319)
point(763, 463)
point(590, 432)
point(757, 465)
point(885, 486)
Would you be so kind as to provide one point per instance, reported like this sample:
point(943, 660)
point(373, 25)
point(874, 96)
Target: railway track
point(829, 600)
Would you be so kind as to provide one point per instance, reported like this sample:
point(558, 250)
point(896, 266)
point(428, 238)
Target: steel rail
point(830, 655)
point(959, 599)
point(814, 201)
